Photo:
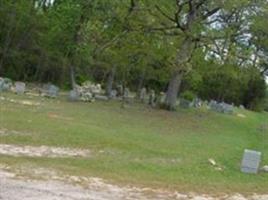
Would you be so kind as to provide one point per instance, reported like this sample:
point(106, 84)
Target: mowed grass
point(141, 146)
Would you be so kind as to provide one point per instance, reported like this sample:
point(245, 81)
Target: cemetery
point(89, 133)
point(133, 100)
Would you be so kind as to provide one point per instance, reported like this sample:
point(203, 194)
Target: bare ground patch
point(7, 132)
point(56, 186)
point(21, 102)
point(42, 151)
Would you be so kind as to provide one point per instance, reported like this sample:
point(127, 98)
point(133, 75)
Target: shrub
point(188, 95)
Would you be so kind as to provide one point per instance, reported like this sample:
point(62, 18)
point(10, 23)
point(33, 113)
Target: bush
point(188, 95)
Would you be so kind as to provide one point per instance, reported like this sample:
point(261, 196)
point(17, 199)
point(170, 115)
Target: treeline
point(211, 49)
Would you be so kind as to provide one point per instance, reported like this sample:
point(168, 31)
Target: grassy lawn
point(141, 146)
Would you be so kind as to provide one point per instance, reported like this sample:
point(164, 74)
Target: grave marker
point(251, 161)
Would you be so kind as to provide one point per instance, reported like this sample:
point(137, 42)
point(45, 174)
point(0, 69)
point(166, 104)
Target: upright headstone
point(242, 107)
point(5, 84)
point(1, 84)
point(73, 95)
point(251, 161)
point(120, 90)
point(184, 103)
point(20, 87)
point(126, 95)
point(152, 98)
point(143, 94)
point(50, 90)
point(197, 103)
point(162, 98)
point(113, 94)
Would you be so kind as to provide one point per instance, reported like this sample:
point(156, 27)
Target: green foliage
point(41, 41)
point(227, 83)
point(188, 95)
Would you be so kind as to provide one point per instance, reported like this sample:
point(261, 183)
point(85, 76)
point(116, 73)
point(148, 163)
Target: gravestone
point(221, 107)
point(162, 98)
point(143, 94)
point(120, 90)
point(1, 84)
point(197, 103)
point(20, 87)
point(126, 95)
point(101, 97)
point(74, 95)
point(251, 161)
point(184, 103)
point(53, 91)
point(50, 90)
point(242, 107)
point(5, 84)
point(152, 98)
point(113, 94)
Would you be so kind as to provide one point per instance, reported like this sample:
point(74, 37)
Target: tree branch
point(164, 14)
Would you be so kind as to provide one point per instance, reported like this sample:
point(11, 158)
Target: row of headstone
point(153, 99)
point(48, 90)
point(91, 87)
point(221, 107)
point(6, 84)
point(88, 92)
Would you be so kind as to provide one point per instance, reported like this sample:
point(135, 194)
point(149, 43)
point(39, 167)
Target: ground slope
point(137, 145)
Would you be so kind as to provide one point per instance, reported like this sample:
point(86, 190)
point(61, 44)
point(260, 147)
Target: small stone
point(264, 169)
point(212, 161)
point(236, 197)
point(101, 97)
point(241, 115)
point(218, 169)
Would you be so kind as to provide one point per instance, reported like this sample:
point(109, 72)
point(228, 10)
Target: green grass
point(141, 146)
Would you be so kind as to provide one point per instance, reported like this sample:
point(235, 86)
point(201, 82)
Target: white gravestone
point(20, 87)
point(74, 95)
point(251, 161)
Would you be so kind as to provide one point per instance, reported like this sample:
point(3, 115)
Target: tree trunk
point(181, 67)
point(72, 77)
point(110, 81)
point(172, 92)
point(141, 81)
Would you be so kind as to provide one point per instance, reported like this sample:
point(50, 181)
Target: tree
point(192, 21)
